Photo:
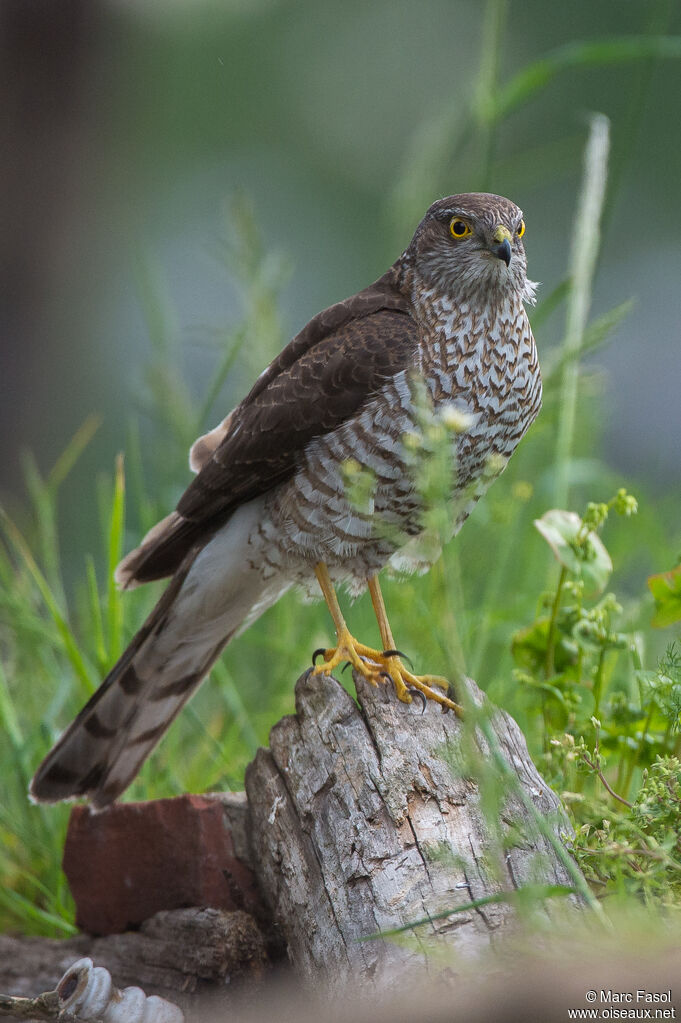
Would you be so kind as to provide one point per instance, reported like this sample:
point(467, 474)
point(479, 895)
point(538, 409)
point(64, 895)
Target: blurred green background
point(184, 184)
point(130, 125)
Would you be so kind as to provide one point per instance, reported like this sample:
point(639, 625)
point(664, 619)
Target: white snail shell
point(87, 991)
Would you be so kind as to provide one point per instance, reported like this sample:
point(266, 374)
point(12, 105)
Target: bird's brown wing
point(325, 375)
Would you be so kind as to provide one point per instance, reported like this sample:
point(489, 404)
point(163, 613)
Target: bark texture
point(174, 954)
point(363, 819)
point(362, 816)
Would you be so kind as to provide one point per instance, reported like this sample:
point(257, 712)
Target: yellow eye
point(459, 228)
point(521, 228)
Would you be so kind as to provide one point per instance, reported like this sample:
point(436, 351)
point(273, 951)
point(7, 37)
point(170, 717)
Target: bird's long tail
point(204, 606)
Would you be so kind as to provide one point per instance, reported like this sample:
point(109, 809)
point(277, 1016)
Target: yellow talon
point(374, 665)
point(348, 649)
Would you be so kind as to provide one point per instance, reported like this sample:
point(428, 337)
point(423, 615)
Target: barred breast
point(483, 365)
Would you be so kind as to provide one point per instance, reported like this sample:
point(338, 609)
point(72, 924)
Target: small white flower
point(455, 419)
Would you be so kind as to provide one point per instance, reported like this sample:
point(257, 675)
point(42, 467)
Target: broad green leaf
point(666, 589)
point(586, 558)
point(529, 647)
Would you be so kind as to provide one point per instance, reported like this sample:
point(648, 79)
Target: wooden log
point(364, 818)
point(175, 954)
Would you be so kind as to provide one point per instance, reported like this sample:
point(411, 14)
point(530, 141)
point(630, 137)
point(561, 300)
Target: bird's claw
point(402, 656)
point(377, 666)
point(451, 695)
point(424, 701)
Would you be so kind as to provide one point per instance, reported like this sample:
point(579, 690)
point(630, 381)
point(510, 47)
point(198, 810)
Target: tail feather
point(83, 758)
point(207, 602)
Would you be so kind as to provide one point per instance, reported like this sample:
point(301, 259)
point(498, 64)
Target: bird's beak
point(501, 243)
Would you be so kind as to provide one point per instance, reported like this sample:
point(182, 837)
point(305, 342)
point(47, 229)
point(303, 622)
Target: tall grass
point(583, 256)
point(56, 644)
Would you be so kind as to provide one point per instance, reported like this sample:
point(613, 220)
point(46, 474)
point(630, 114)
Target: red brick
point(134, 859)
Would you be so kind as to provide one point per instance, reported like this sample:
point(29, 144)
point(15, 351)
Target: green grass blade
point(594, 336)
point(25, 909)
point(541, 823)
point(73, 450)
point(530, 891)
point(96, 620)
point(238, 337)
point(155, 300)
point(8, 715)
point(69, 642)
point(547, 306)
point(114, 552)
point(583, 258)
point(232, 697)
point(43, 499)
point(537, 76)
point(494, 23)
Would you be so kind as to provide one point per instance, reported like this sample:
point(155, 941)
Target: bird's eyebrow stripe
point(456, 211)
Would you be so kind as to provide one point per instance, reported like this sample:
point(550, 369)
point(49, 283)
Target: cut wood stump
point(364, 818)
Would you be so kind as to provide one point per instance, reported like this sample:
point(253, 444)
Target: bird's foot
point(378, 666)
point(426, 686)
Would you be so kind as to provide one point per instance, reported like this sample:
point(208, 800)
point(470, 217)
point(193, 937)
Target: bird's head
point(470, 247)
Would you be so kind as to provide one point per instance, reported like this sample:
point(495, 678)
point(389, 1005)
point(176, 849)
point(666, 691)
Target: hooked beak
point(501, 244)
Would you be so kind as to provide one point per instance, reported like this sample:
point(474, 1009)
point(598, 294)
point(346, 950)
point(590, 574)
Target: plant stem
point(598, 683)
point(637, 95)
point(486, 87)
point(551, 638)
point(582, 268)
point(634, 758)
point(594, 767)
point(539, 820)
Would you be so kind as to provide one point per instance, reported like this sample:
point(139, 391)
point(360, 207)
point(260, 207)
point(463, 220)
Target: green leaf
point(594, 336)
point(115, 550)
point(592, 53)
point(26, 908)
point(69, 641)
point(529, 644)
point(586, 557)
point(8, 714)
point(666, 589)
point(73, 450)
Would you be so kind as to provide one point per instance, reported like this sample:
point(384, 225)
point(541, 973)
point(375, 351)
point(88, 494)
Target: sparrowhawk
point(269, 506)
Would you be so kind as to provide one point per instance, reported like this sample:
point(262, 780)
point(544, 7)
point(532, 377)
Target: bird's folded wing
point(320, 380)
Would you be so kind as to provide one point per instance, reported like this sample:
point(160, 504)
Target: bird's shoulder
point(341, 354)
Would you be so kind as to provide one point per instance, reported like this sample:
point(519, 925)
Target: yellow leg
point(381, 615)
point(403, 679)
point(347, 648)
point(375, 665)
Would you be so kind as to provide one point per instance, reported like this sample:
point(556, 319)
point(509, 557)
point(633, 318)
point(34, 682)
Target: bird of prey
point(269, 506)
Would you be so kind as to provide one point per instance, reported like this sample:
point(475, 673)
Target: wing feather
point(324, 376)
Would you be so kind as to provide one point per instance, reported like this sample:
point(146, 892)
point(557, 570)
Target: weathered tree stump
point(361, 822)
point(361, 817)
